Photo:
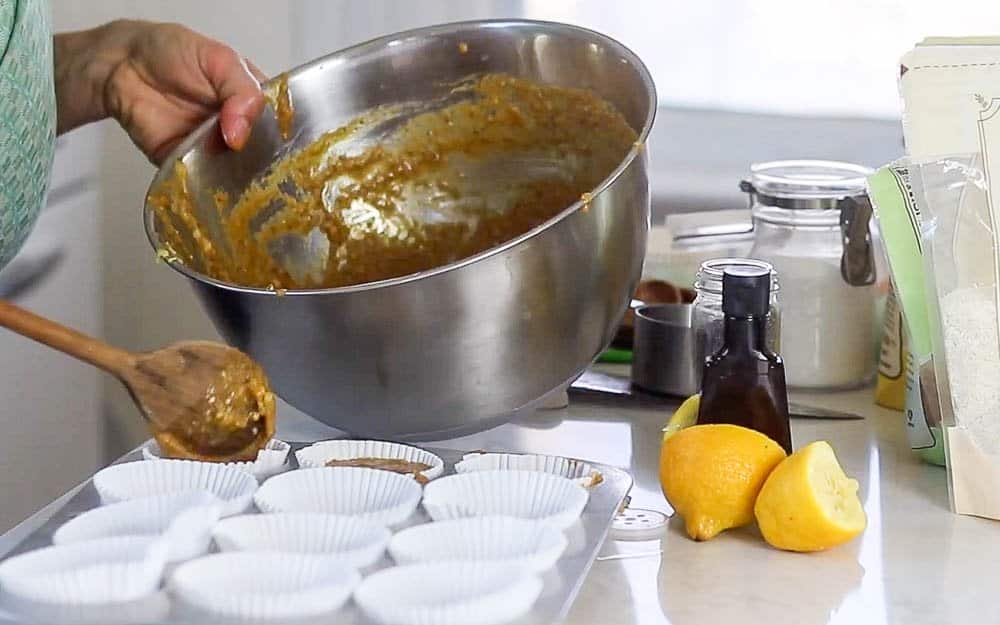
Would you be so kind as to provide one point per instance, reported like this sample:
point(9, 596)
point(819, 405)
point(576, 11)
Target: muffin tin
point(542, 569)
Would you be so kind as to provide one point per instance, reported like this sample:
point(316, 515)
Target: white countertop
point(917, 563)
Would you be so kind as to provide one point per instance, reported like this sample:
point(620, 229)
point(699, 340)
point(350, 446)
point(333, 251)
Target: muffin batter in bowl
point(403, 188)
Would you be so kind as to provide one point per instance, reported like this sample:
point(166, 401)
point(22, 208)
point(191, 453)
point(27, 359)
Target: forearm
point(84, 61)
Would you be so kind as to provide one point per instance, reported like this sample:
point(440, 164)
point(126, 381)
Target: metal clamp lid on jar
point(822, 185)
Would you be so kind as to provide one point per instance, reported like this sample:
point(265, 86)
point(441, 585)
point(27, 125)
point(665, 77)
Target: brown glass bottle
point(744, 382)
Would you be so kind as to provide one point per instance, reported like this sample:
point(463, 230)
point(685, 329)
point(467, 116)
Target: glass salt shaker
point(812, 224)
point(707, 318)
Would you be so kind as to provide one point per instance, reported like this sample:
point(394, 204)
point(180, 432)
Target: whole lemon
point(711, 475)
point(808, 503)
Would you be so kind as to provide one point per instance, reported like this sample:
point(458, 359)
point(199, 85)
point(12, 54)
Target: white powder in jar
point(972, 354)
point(827, 325)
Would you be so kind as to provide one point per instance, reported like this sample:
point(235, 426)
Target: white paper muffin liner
point(184, 520)
point(152, 608)
point(354, 541)
point(381, 497)
point(271, 460)
point(144, 478)
point(550, 499)
point(263, 585)
point(448, 594)
point(556, 465)
point(510, 540)
point(109, 570)
point(318, 454)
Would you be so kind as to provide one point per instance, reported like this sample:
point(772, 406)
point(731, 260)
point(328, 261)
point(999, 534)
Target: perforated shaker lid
point(638, 524)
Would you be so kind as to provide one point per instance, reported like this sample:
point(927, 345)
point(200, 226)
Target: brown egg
point(629, 320)
point(653, 292)
point(657, 292)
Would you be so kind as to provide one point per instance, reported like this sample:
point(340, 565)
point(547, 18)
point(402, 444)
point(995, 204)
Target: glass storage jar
point(812, 224)
point(707, 318)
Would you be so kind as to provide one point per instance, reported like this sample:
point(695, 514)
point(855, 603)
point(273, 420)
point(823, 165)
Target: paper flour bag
point(951, 93)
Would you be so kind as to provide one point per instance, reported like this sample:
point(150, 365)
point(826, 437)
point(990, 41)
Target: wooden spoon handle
point(111, 359)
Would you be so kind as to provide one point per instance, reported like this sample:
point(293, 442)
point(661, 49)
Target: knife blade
point(597, 383)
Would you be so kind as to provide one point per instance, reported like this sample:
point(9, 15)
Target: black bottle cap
point(746, 291)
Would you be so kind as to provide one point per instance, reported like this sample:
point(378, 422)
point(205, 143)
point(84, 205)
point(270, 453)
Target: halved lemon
point(808, 503)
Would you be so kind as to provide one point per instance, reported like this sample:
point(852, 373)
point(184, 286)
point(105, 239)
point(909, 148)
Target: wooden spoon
point(203, 400)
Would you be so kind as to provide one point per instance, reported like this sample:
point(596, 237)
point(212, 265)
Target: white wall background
point(812, 57)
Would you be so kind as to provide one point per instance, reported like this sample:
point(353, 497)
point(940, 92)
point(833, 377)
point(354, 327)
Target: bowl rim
point(638, 150)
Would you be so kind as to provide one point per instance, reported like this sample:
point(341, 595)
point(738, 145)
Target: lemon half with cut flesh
point(808, 503)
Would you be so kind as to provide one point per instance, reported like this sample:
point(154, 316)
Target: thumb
point(236, 88)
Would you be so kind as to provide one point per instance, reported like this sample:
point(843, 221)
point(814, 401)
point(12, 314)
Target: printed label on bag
point(890, 362)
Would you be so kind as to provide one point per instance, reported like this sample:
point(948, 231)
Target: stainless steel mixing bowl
point(463, 347)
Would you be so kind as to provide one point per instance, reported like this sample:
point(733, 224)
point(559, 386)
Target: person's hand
point(158, 80)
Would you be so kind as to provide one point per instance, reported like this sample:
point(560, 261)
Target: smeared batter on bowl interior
point(280, 99)
point(504, 157)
